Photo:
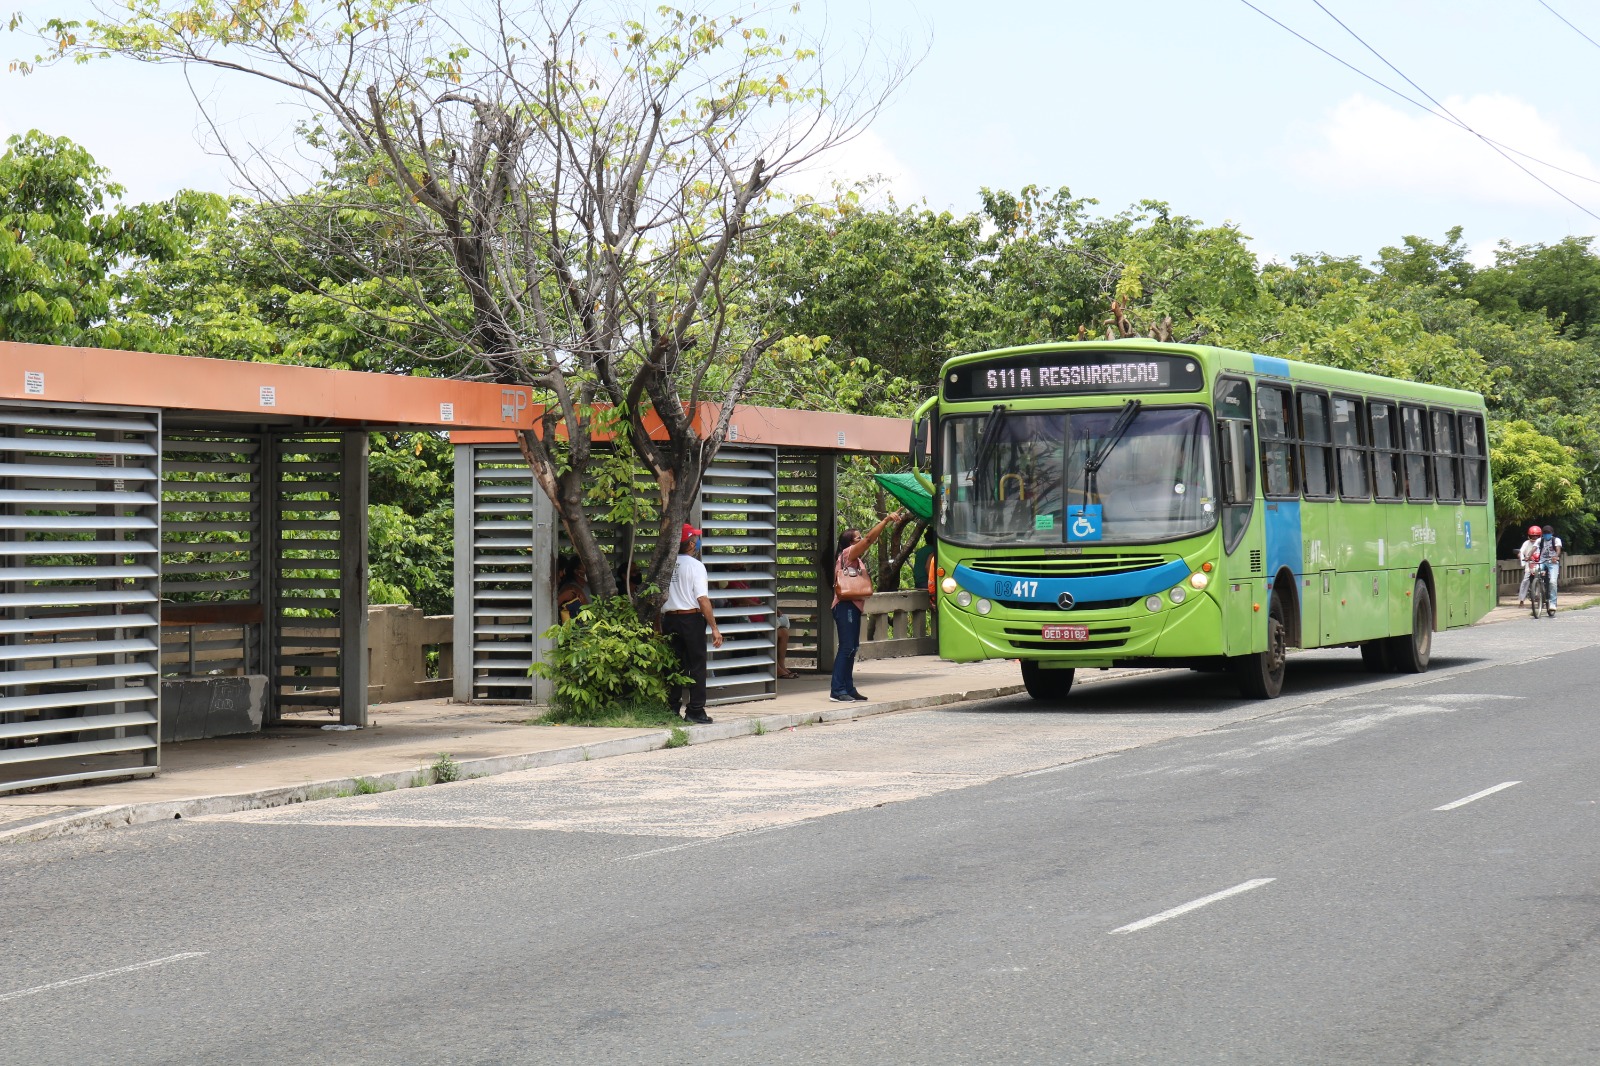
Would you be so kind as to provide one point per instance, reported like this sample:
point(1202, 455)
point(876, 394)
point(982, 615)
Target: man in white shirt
point(684, 617)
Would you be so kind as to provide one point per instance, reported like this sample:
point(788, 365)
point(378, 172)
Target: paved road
point(1213, 881)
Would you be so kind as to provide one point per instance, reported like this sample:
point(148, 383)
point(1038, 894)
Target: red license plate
point(1066, 633)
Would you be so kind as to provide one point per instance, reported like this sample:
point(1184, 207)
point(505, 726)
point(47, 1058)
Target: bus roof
point(1248, 364)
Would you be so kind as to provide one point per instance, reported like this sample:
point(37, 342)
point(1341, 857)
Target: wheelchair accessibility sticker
point(1083, 522)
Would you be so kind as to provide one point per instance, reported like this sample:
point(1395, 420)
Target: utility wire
point(1563, 18)
point(1460, 122)
point(1413, 102)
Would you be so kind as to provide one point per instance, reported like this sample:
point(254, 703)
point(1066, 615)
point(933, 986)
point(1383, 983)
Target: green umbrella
point(909, 491)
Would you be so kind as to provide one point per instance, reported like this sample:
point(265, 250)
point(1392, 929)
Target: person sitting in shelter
point(572, 588)
point(780, 630)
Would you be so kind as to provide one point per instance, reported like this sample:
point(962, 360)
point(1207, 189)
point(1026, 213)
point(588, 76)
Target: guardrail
point(1575, 570)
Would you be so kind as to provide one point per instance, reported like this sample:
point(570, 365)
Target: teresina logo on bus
point(1060, 372)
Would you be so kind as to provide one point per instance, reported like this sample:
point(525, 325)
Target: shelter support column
point(465, 549)
point(354, 667)
point(827, 537)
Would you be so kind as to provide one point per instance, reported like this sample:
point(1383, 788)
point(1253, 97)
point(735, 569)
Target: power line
point(1451, 119)
point(1563, 18)
point(1499, 150)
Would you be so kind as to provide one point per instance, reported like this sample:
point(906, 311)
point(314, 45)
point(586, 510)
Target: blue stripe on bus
point(1084, 589)
point(1266, 364)
point(1285, 548)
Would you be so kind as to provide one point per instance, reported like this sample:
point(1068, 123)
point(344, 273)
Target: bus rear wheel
point(1042, 684)
point(1410, 654)
point(1261, 674)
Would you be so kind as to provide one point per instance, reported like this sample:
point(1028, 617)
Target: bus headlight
point(984, 606)
point(963, 598)
point(1179, 594)
point(1152, 604)
point(1199, 581)
point(949, 585)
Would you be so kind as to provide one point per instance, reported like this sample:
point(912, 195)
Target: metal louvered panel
point(503, 593)
point(317, 574)
point(740, 533)
point(79, 594)
point(800, 550)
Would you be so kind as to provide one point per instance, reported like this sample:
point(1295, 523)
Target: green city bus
point(1136, 503)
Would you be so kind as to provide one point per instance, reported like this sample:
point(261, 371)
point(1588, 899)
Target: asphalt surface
point(993, 883)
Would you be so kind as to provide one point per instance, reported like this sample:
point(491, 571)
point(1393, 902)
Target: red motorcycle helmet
point(1534, 531)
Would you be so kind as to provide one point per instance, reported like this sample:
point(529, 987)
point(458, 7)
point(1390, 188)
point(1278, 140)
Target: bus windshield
point(1007, 477)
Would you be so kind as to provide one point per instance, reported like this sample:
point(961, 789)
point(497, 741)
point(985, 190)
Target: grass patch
point(760, 729)
point(630, 715)
point(679, 737)
point(365, 786)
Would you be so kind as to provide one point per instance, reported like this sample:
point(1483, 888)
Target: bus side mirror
point(919, 442)
point(1238, 453)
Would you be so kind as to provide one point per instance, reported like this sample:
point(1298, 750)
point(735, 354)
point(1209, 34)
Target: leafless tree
point(581, 178)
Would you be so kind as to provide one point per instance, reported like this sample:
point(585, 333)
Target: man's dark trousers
point(687, 635)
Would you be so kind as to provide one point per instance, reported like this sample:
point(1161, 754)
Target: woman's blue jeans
point(847, 623)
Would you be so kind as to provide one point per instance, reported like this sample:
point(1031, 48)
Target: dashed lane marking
point(102, 975)
point(1193, 905)
point(1463, 801)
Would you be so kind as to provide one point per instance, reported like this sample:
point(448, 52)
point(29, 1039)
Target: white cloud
point(1367, 145)
point(861, 157)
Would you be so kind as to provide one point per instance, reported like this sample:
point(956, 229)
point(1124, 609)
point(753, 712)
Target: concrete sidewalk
point(303, 762)
point(298, 763)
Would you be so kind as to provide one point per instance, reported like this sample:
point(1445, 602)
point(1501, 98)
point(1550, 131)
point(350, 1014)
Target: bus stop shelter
point(768, 507)
point(183, 546)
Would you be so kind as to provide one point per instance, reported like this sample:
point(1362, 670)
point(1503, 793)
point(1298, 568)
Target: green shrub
point(606, 657)
point(445, 769)
point(678, 738)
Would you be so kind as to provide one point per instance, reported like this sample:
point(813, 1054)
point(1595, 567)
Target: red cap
point(689, 531)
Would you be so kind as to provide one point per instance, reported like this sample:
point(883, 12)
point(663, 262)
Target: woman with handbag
point(851, 587)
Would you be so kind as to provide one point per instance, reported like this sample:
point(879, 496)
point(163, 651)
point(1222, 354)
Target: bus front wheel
point(1045, 684)
point(1409, 654)
point(1261, 674)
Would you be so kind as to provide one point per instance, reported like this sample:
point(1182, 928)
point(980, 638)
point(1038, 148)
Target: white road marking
point(1155, 919)
point(71, 981)
point(1477, 796)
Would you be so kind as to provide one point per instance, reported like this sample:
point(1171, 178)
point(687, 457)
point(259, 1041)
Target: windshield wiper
point(986, 440)
point(1091, 468)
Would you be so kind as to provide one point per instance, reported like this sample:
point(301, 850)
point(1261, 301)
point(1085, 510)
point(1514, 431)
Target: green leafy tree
point(1535, 476)
point(70, 249)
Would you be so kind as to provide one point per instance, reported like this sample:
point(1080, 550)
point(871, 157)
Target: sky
point(1204, 104)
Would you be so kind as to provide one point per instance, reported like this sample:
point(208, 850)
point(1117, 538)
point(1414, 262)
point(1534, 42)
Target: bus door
point(1458, 596)
point(1329, 600)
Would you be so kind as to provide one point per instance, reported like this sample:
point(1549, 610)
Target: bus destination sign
point(1063, 373)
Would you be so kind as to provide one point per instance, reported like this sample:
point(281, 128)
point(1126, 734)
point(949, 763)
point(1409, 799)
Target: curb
point(114, 817)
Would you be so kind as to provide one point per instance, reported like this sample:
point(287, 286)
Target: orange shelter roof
point(209, 391)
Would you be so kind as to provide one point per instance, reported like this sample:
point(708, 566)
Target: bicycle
point(1539, 591)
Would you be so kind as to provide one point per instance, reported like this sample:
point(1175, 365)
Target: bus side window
point(1414, 438)
point(1446, 452)
point(1315, 454)
point(1388, 476)
point(1474, 465)
point(1349, 440)
point(1278, 466)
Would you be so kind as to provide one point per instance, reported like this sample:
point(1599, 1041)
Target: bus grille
point(1255, 561)
point(1086, 605)
point(1068, 566)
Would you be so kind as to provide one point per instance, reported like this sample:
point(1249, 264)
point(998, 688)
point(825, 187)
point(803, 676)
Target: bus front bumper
point(1192, 629)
